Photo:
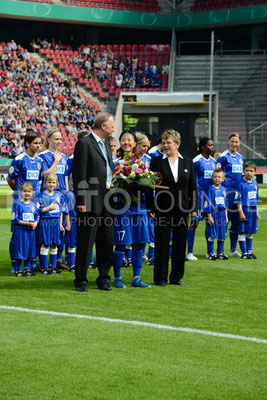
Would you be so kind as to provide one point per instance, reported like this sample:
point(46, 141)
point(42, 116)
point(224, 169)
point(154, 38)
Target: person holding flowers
point(130, 179)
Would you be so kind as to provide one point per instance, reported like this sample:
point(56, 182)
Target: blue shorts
point(24, 243)
point(219, 229)
point(250, 225)
point(130, 228)
point(151, 229)
point(49, 231)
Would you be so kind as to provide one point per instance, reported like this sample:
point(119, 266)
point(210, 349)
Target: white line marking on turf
point(137, 323)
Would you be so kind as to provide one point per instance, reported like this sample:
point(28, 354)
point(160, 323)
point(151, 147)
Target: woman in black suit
point(171, 208)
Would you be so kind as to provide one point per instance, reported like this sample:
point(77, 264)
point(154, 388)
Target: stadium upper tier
point(210, 5)
point(149, 6)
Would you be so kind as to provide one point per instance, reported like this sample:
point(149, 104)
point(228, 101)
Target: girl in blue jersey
point(27, 166)
point(52, 205)
point(232, 164)
point(215, 207)
point(157, 150)
point(130, 226)
point(25, 219)
point(204, 165)
point(56, 162)
point(247, 204)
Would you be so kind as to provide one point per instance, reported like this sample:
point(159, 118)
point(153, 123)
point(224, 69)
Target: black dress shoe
point(160, 283)
point(81, 288)
point(104, 286)
point(179, 283)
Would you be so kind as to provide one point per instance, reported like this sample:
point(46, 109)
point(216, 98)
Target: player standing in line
point(52, 205)
point(24, 218)
point(215, 207)
point(27, 166)
point(231, 163)
point(247, 204)
point(204, 165)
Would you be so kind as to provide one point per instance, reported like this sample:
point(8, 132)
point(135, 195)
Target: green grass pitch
point(56, 357)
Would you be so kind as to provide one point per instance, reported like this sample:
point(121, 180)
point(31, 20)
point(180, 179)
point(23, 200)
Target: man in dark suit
point(171, 208)
point(92, 174)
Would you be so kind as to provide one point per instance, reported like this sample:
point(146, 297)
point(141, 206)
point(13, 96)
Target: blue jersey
point(61, 169)
point(216, 199)
point(249, 194)
point(25, 168)
point(146, 159)
point(70, 205)
point(203, 172)
point(216, 205)
point(46, 199)
point(154, 152)
point(232, 165)
point(26, 212)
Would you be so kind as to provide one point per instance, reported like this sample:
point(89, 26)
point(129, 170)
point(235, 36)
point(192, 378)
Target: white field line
point(137, 323)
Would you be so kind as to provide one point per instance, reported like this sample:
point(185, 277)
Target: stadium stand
point(210, 5)
point(35, 95)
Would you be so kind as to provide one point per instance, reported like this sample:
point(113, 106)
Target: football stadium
point(163, 75)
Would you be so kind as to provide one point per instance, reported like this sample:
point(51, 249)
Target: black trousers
point(164, 225)
point(92, 229)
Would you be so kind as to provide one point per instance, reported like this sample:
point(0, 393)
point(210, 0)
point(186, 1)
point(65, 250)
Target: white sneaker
point(191, 257)
point(207, 256)
point(234, 254)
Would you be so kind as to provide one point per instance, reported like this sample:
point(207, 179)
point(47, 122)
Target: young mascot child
point(24, 218)
point(247, 204)
point(52, 204)
point(216, 210)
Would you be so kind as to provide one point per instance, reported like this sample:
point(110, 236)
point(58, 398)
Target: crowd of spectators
point(34, 95)
point(127, 72)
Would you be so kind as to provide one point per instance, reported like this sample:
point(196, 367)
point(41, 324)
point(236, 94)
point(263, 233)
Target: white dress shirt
point(174, 165)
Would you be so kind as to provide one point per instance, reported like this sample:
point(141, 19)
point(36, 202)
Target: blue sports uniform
point(69, 164)
point(61, 170)
point(24, 236)
point(216, 205)
point(49, 225)
point(232, 165)
point(25, 168)
point(70, 237)
point(154, 152)
point(249, 198)
point(203, 172)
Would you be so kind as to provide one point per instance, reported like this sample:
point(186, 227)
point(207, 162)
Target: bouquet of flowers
point(132, 175)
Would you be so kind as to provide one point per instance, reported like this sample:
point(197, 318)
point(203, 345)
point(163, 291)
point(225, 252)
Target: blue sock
point(137, 259)
point(18, 265)
point(53, 257)
point(210, 244)
point(92, 258)
point(71, 256)
point(151, 251)
point(27, 265)
point(220, 245)
point(249, 240)
point(128, 253)
point(233, 240)
point(59, 255)
point(118, 256)
point(43, 257)
point(190, 240)
point(242, 243)
point(11, 253)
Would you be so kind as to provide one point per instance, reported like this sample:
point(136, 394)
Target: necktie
point(104, 151)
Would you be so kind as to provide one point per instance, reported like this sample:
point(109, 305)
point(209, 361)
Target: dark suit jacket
point(181, 196)
point(89, 174)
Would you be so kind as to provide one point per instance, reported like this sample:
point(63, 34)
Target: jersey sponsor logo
point(11, 169)
point(219, 200)
point(60, 169)
point(208, 174)
point(31, 174)
point(252, 195)
point(27, 217)
point(237, 168)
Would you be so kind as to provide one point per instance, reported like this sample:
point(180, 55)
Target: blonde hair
point(51, 177)
point(48, 134)
point(141, 138)
point(171, 133)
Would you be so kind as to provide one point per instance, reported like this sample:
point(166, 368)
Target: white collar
point(165, 155)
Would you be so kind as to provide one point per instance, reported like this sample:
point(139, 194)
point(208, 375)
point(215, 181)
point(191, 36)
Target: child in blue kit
point(52, 205)
point(247, 204)
point(215, 208)
point(70, 236)
point(24, 219)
